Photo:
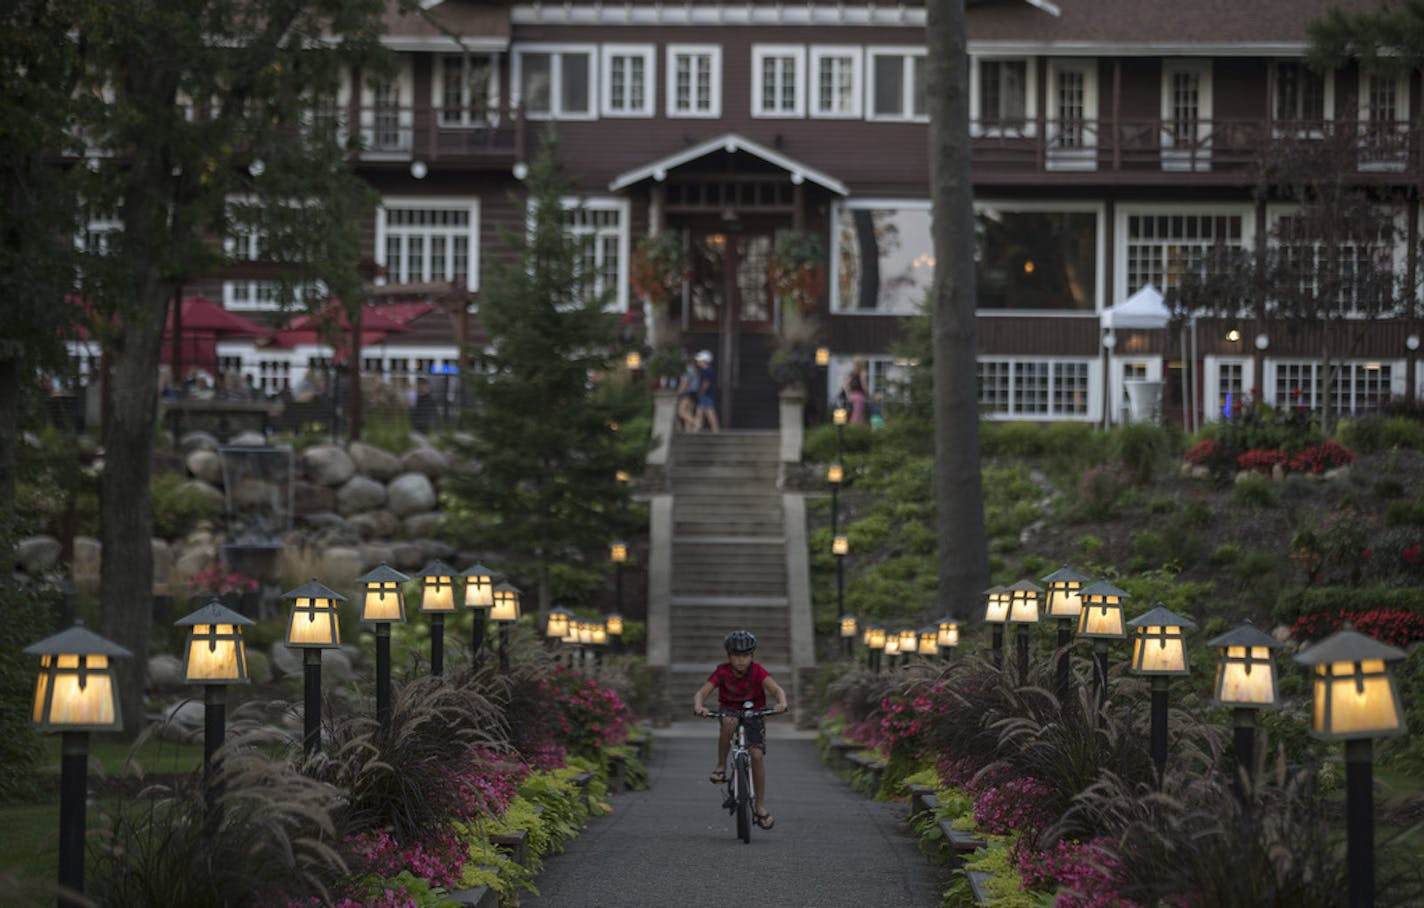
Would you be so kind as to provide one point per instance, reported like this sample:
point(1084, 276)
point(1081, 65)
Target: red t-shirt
point(733, 690)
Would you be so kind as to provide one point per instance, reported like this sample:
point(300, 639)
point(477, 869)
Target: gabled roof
point(731, 143)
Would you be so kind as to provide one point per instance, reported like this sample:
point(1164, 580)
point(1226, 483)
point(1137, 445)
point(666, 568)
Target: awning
point(731, 143)
point(1143, 310)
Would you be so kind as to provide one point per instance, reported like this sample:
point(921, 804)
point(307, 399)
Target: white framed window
point(1304, 100)
point(1002, 97)
point(1024, 388)
point(628, 80)
point(465, 89)
point(835, 81)
point(1186, 115)
point(1228, 382)
point(1038, 256)
point(248, 244)
point(95, 238)
point(694, 80)
point(601, 228)
point(1072, 114)
point(778, 80)
point(1359, 387)
point(422, 239)
point(388, 113)
point(1363, 271)
point(895, 89)
point(1384, 121)
point(555, 81)
point(1158, 245)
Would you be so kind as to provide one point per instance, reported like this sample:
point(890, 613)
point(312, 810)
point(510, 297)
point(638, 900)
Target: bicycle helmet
point(740, 642)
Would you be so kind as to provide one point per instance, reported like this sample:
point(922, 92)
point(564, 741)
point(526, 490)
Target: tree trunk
point(125, 507)
point(9, 438)
point(963, 560)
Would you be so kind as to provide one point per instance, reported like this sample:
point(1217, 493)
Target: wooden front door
point(729, 295)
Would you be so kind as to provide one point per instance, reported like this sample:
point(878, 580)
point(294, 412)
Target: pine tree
point(547, 445)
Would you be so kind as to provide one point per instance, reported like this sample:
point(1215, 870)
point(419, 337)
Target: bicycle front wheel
point(744, 800)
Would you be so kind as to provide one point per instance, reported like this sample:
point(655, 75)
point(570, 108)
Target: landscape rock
point(165, 673)
point(360, 493)
point(408, 556)
point(182, 721)
point(253, 494)
point(328, 465)
point(285, 660)
point(431, 549)
point(340, 565)
point(87, 557)
point(411, 493)
point(309, 497)
point(37, 554)
point(373, 554)
point(205, 464)
point(418, 525)
point(375, 462)
point(377, 524)
point(248, 439)
point(200, 488)
point(429, 461)
point(198, 440)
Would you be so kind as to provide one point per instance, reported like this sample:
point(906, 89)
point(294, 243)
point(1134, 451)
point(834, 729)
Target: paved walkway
point(673, 847)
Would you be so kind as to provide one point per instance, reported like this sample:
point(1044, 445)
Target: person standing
point(687, 387)
point(857, 391)
point(706, 412)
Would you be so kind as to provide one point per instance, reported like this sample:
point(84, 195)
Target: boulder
point(199, 440)
point(253, 494)
point(428, 461)
point(205, 464)
point(197, 487)
point(418, 525)
point(377, 553)
point(88, 554)
point(360, 493)
point(248, 439)
point(408, 556)
point(285, 660)
point(182, 721)
point(165, 673)
point(336, 667)
point(411, 493)
point(162, 566)
point(308, 497)
point(259, 667)
point(327, 465)
point(377, 524)
point(340, 565)
point(431, 549)
point(374, 462)
point(194, 559)
point(37, 554)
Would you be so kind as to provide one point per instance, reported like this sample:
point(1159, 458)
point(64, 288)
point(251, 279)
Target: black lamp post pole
point(1360, 822)
point(998, 643)
point(311, 737)
point(840, 584)
point(477, 635)
point(1065, 640)
point(618, 585)
point(214, 723)
point(1159, 726)
point(437, 645)
point(1021, 647)
point(1100, 677)
point(383, 676)
point(1243, 722)
point(73, 782)
point(504, 648)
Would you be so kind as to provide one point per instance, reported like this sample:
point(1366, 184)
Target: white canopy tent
point(1143, 310)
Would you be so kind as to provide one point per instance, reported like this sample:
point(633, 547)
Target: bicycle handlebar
point(741, 713)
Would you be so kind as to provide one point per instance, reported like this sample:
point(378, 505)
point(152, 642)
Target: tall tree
point(547, 445)
point(191, 105)
point(959, 492)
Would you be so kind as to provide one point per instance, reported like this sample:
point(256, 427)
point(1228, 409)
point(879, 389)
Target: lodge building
point(1114, 142)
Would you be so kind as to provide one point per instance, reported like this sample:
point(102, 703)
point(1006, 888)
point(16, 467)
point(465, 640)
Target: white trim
point(556, 51)
point(621, 296)
point(760, 54)
point(856, 55)
point(1079, 152)
point(907, 94)
point(440, 44)
point(437, 90)
point(649, 55)
point(1173, 158)
point(1398, 248)
point(1125, 210)
point(1386, 163)
point(405, 115)
point(1251, 49)
point(718, 14)
point(730, 142)
point(712, 53)
point(1211, 382)
point(976, 112)
point(1327, 103)
point(1099, 212)
point(433, 203)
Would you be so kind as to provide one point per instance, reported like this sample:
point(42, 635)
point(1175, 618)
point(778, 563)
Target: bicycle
point(741, 791)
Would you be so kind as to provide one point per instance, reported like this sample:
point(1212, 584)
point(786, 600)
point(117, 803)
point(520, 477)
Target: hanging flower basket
point(658, 268)
point(798, 269)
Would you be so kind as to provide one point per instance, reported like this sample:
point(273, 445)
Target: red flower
point(1411, 553)
point(1365, 555)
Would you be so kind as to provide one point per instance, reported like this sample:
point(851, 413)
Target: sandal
point(718, 777)
point(764, 820)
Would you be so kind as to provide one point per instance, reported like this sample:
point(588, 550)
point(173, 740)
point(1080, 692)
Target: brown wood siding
point(1029, 336)
point(1238, 89)
point(1141, 90)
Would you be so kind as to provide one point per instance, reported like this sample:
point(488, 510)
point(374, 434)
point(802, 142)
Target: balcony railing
point(1194, 146)
point(441, 134)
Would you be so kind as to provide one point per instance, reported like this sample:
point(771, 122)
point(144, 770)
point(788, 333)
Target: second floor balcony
point(484, 136)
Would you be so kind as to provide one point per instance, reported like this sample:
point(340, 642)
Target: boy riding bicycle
point(736, 681)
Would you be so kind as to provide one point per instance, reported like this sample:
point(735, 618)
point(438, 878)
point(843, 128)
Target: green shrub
point(1363, 435)
point(1388, 488)
point(1161, 504)
point(1226, 553)
point(1405, 512)
point(1401, 432)
point(1012, 439)
point(1141, 447)
point(177, 507)
point(1314, 599)
point(28, 618)
point(1255, 492)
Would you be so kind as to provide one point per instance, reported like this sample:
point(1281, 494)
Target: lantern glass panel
point(840, 545)
point(479, 592)
point(1246, 676)
point(615, 625)
point(314, 622)
point(506, 606)
point(875, 638)
point(840, 415)
point(1063, 599)
point(1023, 607)
point(70, 703)
point(1159, 651)
point(42, 689)
point(618, 552)
point(557, 625)
point(835, 474)
point(1355, 700)
point(382, 602)
point(909, 640)
point(437, 594)
point(848, 627)
point(996, 608)
point(600, 634)
point(215, 653)
point(892, 644)
point(948, 634)
point(1101, 619)
point(929, 644)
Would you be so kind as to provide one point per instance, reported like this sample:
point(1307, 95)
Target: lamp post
point(929, 641)
point(214, 657)
point(437, 599)
point(996, 613)
point(891, 649)
point(504, 612)
point(618, 554)
point(75, 695)
point(1100, 621)
point(1023, 615)
point(313, 626)
point(1159, 651)
point(840, 548)
point(613, 626)
point(1246, 682)
point(849, 630)
point(383, 604)
point(479, 597)
point(1064, 604)
point(1355, 702)
point(909, 640)
point(947, 630)
point(875, 640)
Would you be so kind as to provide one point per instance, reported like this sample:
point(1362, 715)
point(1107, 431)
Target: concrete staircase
point(729, 565)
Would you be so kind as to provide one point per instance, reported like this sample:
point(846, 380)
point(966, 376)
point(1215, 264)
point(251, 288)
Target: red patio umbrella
point(202, 315)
